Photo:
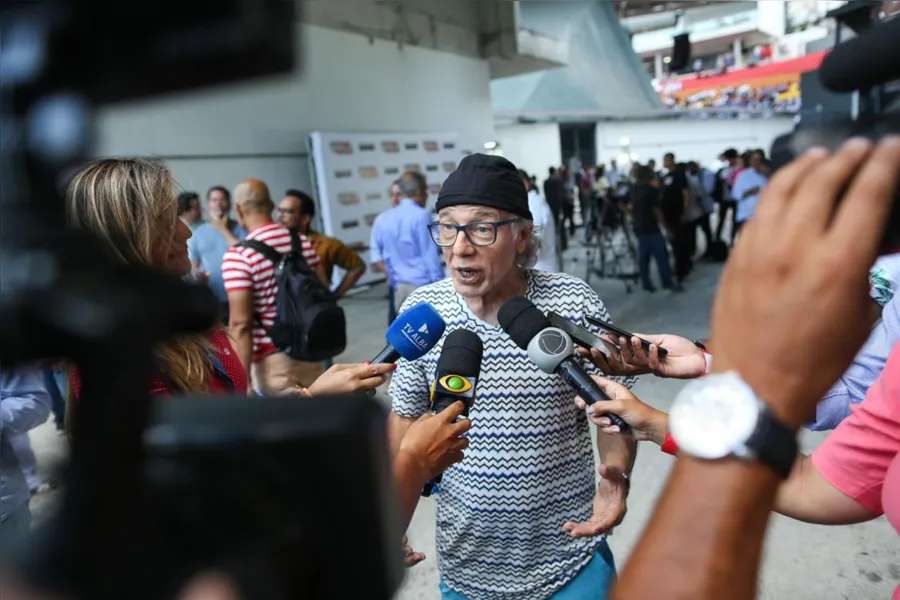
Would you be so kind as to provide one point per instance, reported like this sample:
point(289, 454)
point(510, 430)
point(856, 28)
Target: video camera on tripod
point(863, 66)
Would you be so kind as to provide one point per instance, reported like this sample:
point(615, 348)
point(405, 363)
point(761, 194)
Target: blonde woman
point(130, 204)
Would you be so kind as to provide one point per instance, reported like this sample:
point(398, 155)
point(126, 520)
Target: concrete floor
point(802, 562)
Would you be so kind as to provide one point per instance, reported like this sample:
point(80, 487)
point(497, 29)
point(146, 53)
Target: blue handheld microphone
point(412, 334)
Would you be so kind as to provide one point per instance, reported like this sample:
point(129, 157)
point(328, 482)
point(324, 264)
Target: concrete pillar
point(658, 66)
point(738, 51)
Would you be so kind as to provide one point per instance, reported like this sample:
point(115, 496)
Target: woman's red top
point(227, 377)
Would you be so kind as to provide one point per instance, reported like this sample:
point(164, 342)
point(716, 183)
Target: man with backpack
point(284, 320)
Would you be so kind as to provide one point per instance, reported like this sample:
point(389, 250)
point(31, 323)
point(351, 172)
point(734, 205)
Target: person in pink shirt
point(861, 459)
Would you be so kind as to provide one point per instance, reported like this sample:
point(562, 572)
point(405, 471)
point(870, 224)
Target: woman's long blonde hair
point(129, 203)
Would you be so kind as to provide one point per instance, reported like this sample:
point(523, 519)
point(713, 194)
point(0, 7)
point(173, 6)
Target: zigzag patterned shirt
point(530, 464)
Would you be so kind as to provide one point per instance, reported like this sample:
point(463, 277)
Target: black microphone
point(455, 379)
point(863, 61)
point(551, 349)
point(457, 371)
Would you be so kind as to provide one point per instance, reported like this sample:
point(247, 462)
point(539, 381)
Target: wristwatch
point(720, 416)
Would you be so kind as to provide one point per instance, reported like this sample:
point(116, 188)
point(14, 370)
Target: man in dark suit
point(554, 194)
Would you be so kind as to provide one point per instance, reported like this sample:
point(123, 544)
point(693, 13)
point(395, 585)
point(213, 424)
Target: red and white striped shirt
point(247, 269)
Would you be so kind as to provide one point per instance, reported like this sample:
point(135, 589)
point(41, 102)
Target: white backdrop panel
point(353, 173)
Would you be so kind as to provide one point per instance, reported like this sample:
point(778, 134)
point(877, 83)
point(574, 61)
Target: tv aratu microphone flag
point(412, 334)
point(551, 349)
point(455, 379)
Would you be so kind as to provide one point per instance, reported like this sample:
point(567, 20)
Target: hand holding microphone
point(647, 423)
point(434, 441)
point(350, 378)
point(431, 445)
point(551, 349)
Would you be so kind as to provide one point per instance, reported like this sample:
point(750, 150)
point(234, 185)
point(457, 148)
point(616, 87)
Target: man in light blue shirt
point(24, 404)
point(208, 244)
point(401, 239)
point(748, 184)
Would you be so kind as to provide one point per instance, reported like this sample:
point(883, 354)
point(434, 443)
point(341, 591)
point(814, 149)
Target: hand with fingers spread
point(628, 357)
point(647, 423)
point(610, 505)
point(799, 275)
point(350, 378)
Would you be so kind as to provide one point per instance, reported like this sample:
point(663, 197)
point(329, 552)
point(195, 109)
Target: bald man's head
point(252, 196)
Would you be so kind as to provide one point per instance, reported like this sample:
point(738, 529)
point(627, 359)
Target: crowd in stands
point(782, 97)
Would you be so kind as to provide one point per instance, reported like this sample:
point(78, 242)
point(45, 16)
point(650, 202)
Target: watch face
point(714, 417)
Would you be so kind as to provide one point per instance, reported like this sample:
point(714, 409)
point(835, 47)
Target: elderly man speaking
point(524, 516)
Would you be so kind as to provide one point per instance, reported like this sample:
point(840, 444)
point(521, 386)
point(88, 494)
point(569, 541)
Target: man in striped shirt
point(251, 286)
point(525, 515)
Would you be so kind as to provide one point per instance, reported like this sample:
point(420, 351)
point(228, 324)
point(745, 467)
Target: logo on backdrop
point(350, 224)
point(392, 170)
point(370, 218)
point(430, 146)
point(411, 146)
point(342, 147)
point(390, 147)
point(343, 174)
point(435, 188)
point(373, 196)
point(431, 168)
point(449, 166)
point(412, 167)
point(368, 172)
point(367, 147)
point(348, 198)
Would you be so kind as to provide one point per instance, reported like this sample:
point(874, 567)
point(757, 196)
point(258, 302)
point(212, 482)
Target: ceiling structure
point(603, 77)
point(634, 8)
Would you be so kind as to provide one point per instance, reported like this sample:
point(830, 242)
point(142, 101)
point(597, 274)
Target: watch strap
point(774, 443)
point(669, 445)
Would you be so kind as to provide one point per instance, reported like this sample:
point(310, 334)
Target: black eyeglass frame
point(434, 228)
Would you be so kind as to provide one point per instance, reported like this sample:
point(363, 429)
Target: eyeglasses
point(483, 233)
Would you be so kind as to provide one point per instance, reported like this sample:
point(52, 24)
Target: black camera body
point(282, 495)
point(855, 67)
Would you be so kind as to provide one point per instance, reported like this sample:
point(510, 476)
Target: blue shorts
point(593, 582)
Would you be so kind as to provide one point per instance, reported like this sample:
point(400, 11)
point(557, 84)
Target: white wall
point(702, 141)
point(534, 148)
point(259, 129)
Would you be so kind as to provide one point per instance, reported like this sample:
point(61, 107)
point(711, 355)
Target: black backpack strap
point(296, 243)
point(266, 250)
point(271, 254)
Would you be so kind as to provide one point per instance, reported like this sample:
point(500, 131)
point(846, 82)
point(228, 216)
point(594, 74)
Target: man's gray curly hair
point(528, 258)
